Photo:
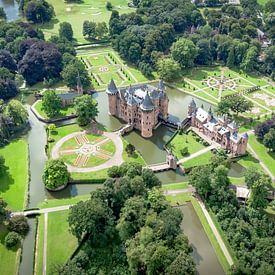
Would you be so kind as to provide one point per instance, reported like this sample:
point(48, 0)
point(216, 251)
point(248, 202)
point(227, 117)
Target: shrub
point(19, 224)
point(109, 6)
point(12, 239)
point(184, 151)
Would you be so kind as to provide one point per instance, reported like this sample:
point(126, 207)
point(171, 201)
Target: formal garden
point(104, 64)
point(215, 83)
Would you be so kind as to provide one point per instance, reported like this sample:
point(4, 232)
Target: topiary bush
point(12, 239)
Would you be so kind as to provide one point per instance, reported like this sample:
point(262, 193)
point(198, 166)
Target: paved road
point(117, 158)
point(42, 211)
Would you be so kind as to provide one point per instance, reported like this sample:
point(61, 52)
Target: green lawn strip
point(95, 161)
point(175, 186)
point(237, 181)
point(199, 160)
point(185, 140)
point(13, 184)
point(9, 257)
point(268, 158)
point(61, 202)
point(92, 176)
point(64, 111)
point(39, 246)
point(136, 157)
point(109, 147)
point(182, 198)
point(249, 161)
point(61, 243)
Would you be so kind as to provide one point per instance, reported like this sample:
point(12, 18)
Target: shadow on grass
point(6, 180)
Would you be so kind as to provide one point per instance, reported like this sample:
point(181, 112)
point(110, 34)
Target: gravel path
point(116, 159)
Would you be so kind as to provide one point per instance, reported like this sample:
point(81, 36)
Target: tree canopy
point(51, 103)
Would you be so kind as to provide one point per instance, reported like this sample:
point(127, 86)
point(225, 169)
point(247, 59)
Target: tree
point(3, 167)
point(269, 139)
point(4, 213)
point(55, 174)
point(71, 72)
point(184, 52)
point(18, 224)
point(3, 15)
point(259, 193)
point(8, 87)
point(7, 61)
point(263, 128)
point(109, 6)
point(38, 11)
point(168, 69)
point(51, 103)
point(204, 56)
point(86, 109)
point(66, 31)
point(101, 30)
point(130, 149)
point(150, 179)
point(251, 59)
point(16, 112)
point(12, 239)
point(89, 29)
point(251, 176)
point(92, 218)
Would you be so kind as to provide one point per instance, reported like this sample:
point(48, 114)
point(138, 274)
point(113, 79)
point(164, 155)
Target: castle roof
point(161, 85)
point(112, 88)
point(233, 125)
point(201, 115)
point(147, 104)
point(131, 100)
point(245, 135)
point(193, 103)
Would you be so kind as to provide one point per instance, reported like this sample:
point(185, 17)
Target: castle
point(141, 106)
point(219, 129)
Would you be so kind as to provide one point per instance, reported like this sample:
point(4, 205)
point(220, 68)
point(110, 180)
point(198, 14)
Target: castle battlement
point(139, 105)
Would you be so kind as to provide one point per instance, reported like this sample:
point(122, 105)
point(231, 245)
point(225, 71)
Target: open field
point(9, 262)
point(13, 184)
point(202, 159)
point(185, 140)
point(214, 83)
point(76, 14)
point(175, 186)
point(104, 64)
point(65, 111)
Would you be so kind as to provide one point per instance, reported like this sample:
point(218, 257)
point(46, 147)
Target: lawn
point(13, 187)
point(202, 159)
point(136, 157)
point(39, 246)
point(61, 243)
point(104, 64)
point(175, 186)
point(76, 14)
point(65, 111)
point(188, 141)
point(9, 257)
point(268, 158)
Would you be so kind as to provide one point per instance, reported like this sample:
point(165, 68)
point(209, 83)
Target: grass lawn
point(202, 159)
point(185, 140)
point(175, 186)
point(268, 158)
point(60, 202)
point(9, 257)
point(237, 181)
point(136, 157)
point(93, 176)
point(76, 14)
point(65, 111)
point(250, 161)
point(39, 246)
point(13, 184)
point(61, 243)
point(182, 198)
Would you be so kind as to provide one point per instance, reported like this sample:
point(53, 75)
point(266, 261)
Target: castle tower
point(132, 108)
point(112, 93)
point(79, 87)
point(192, 107)
point(210, 114)
point(163, 100)
point(243, 144)
point(147, 116)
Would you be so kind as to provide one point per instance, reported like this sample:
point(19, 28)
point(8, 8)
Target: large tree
point(55, 174)
point(184, 52)
point(16, 112)
point(66, 31)
point(51, 103)
point(38, 11)
point(269, 139)
point(168, 69)
point(86, 109)
point(8, 87)
point(7, 61)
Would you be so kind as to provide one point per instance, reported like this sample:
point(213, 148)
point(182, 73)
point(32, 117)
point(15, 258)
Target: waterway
point(203, 253)
point(11, 8)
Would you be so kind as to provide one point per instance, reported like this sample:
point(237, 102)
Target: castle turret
point(112, 93)
point(210, 114)
point(147, 116)
point(163, 100)
point(192, 107)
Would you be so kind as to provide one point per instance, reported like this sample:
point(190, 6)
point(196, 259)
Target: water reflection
point(11, 8)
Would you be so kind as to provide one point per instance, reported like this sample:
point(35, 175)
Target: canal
point(11, 8)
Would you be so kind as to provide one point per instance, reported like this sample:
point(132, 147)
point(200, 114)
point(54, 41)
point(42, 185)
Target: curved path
point(116, 159)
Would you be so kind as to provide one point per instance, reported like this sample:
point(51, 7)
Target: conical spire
point(193, 103)
point(147, 104)
point(210, 111)
point(202, 106)
point(161, 85)
point(112, 89)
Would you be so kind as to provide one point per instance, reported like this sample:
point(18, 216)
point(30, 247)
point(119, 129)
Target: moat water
point(11, 8)
point(151, 150)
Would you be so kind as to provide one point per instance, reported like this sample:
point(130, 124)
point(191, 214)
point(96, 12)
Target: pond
point(203, 253)
point(11, 8)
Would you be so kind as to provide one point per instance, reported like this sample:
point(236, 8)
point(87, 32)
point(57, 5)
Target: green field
point(65, 111)
point(181, 141)
point(104, 64)
point(202, 159)
point(213, 83)
point(76, 14)
point(39, 246)
point(13, 184)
